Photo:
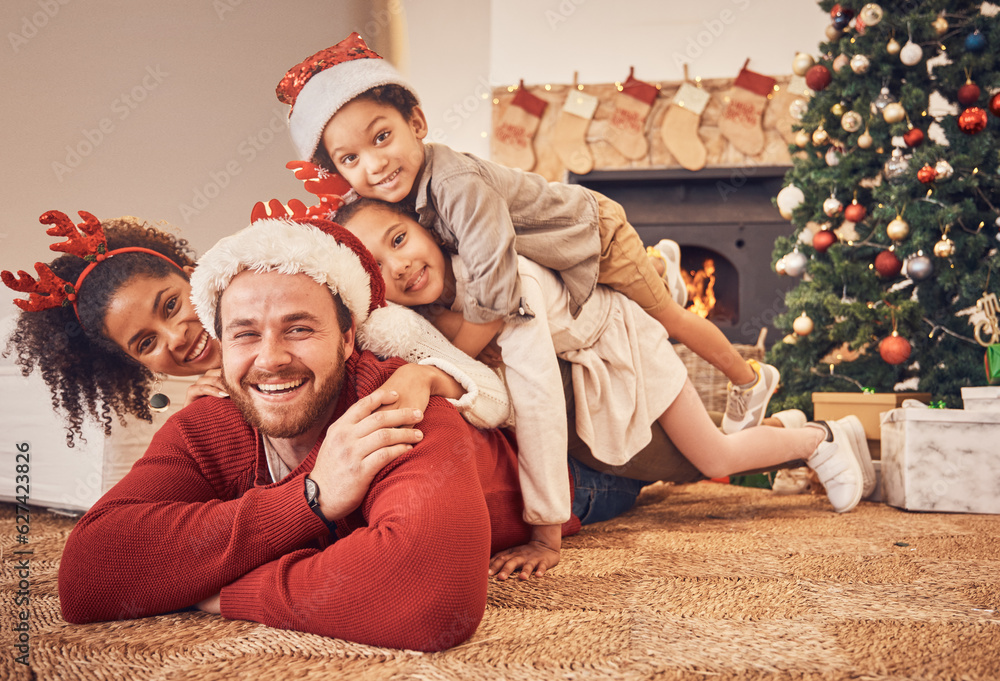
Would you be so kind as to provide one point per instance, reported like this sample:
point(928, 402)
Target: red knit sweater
point(197, 515)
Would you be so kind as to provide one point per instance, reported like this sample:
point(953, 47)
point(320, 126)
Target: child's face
point(412, 263)
point(376, 149)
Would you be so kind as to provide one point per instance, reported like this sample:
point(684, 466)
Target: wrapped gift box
point(941, 460)
point(868, 407)
point(984, 398)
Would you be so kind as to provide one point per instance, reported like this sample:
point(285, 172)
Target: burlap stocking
point(744, 112)
point(570, 133)
point(779, 110)
point(679, 128)
point(514, 132)
point(626, 129)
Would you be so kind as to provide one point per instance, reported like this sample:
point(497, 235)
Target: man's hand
point(357, 446)
point(210, 384)
point(535, 557)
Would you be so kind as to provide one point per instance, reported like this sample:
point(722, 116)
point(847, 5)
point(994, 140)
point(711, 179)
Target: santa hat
point(326, 81)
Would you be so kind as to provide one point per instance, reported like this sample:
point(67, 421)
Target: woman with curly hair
point(77, 348)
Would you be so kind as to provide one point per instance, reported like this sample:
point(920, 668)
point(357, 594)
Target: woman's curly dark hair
point(87, 373)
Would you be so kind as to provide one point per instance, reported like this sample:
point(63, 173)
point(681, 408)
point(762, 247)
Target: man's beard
point(287, 421)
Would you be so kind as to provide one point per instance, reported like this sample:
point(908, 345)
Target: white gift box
point(983, 398)
point(941, 460)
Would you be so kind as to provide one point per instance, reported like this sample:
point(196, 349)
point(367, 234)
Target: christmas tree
point(894, 194)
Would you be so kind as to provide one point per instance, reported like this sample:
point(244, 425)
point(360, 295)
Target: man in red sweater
point(232, 509)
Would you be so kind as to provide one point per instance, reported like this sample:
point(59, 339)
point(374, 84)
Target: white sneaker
point(791, 481)
point(838, 466)
point(853, 429)
point(745, 407)
point(670, 253)
point(791, 418)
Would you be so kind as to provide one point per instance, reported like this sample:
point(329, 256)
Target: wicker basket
point(711, 383)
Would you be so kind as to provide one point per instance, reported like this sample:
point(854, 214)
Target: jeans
point(601, 496)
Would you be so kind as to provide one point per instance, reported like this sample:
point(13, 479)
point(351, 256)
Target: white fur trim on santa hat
point(327, 91)
point(277, 245)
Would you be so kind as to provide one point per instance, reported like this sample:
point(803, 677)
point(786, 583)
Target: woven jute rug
point(702, 581)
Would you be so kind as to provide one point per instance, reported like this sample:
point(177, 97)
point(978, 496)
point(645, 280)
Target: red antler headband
point(86, 241)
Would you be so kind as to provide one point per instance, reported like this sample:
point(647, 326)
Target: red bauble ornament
point(914, 137)
point(972, 120)
point(927, 174)
point(818, 77)
point(894, 349)
point(887, 264)
point(995, 104)
point(855, 212)
point(823, 240)
point(968, 94)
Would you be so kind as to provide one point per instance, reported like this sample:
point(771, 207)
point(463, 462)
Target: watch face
point(312, 490)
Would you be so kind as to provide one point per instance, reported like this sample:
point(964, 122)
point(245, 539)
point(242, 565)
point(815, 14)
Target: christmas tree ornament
point(897, 229)
point(913, 137)
point(943, 170)
point(838, 109)
point(840, 62)
point(803, 325)
point(871, 14)
point(741, 121)
point(893, 112)
point(570, 132)
point(865, 140)
point(860, 64)
point(911, 54)
point(832, 206)
point(820, 136)
point(823, 240)
point(515, 131)
point(893, 46)
point(855, 212)
point(919, 267)
point(940, 24)
point(972, 120)
point(833, 33)
point(896, 168)
point(788, 199)
point(779, 266)
point(626, 129)
point(798, 108)
point(887, 264)
point(894, 349)
point(944, 248)
point(969, 93)
point(795, 263)
point(987, 329)
point(818, 77)
point(851, 121)
point(975, 42)
point(927, 174)
point(679, 129)
point(883, 100)
point(802, 63)
point(802, 138)
point(995, 104)
point(832, 156)
point(841, 16)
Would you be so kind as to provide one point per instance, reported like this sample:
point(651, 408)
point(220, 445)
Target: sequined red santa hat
point(319, 86)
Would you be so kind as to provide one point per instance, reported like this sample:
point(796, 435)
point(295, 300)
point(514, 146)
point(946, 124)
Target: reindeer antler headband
point(86, 241)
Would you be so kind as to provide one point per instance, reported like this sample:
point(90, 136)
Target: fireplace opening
point(712, 284)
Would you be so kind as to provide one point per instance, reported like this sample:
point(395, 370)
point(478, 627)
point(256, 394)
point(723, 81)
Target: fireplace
point(722, 218)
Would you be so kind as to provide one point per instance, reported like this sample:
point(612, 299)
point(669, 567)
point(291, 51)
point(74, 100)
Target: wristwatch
point(312, 498)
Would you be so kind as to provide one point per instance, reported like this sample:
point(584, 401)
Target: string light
point(548, 86)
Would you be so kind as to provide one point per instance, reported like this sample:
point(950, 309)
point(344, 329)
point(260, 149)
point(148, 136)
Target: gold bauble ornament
point(820, 137)
point(893, 112)
point(803, 325)
point(898, 229)
point(833, 33)
point(802, 138)
point(940, 25)
point(802, 63)
point(893, 46)
point(944, 248)
point(837, 109)
point(852, 121)
point(871, 14)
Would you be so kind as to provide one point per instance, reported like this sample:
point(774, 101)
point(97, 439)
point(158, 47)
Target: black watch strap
point(312, 498)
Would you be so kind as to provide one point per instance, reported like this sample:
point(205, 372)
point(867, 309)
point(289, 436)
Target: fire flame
point(701, 288)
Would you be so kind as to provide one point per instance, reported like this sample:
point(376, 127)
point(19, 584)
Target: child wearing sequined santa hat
point(354, 114)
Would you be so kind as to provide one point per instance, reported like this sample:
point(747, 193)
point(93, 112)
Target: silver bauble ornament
point(871, 14)
point(911, 54)
point(802, 63)
point(883, 99)
point(840, 62)
point(788, 199)
point(833, 33)
point(919, 267)
point(860, 64)
point(895, 168)
point(893, 112)
point(795, 263)
point(851, 121)
point(943, 170)
point(832, 206)
point(797, 109)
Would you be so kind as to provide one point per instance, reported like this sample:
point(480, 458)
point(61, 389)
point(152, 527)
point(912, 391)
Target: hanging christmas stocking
point(626, 129)
point(787, 107)
point(679, 128)
point(570, 133)
point(514, 132)
point(745, 102)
